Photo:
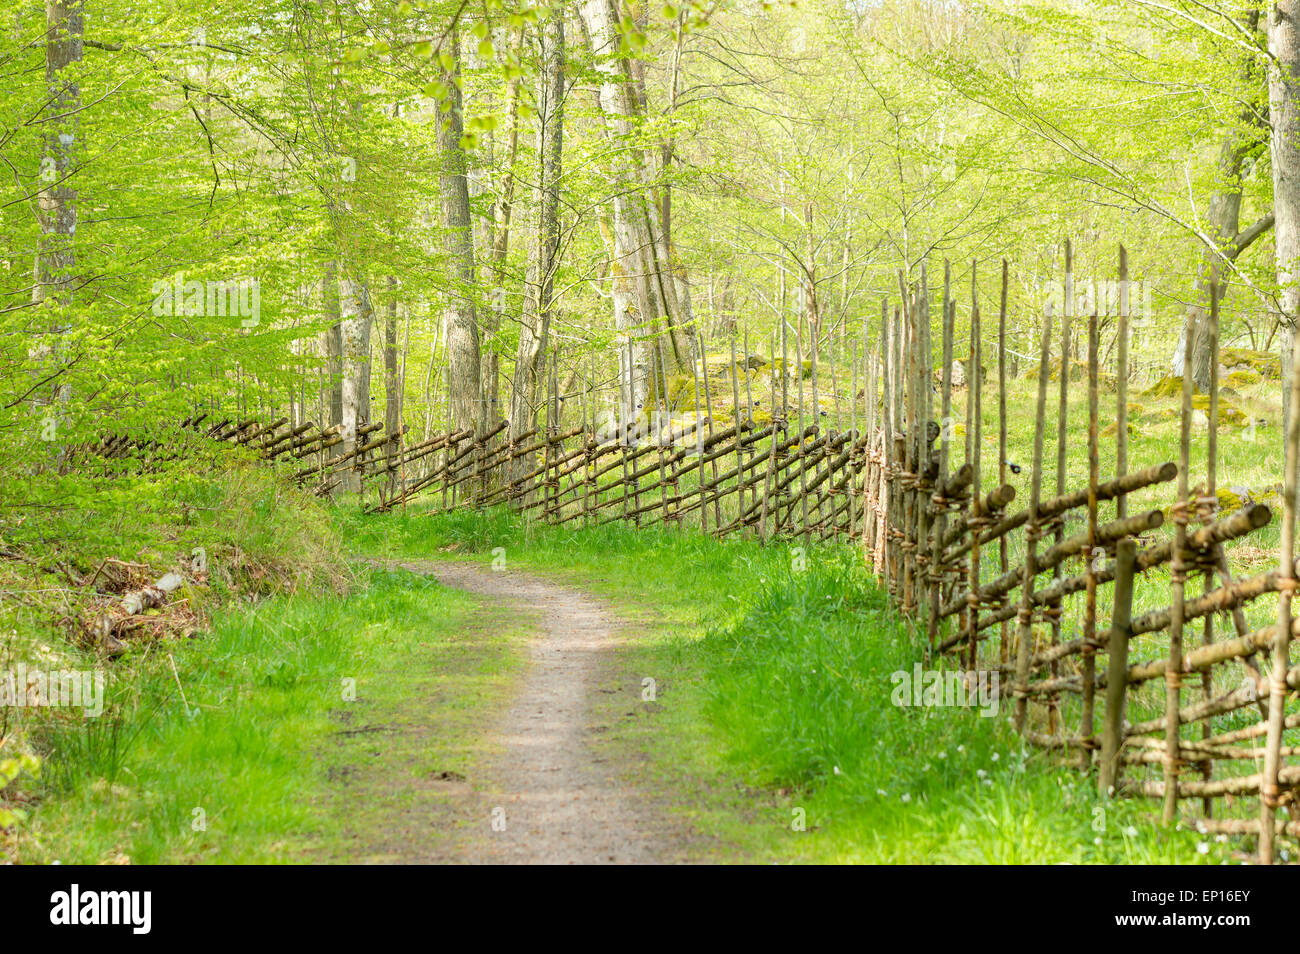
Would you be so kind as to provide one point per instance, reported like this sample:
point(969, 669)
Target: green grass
point(253, 754)
point(774, 695)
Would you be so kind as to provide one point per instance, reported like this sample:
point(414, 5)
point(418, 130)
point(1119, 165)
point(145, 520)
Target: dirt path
point(559, 799)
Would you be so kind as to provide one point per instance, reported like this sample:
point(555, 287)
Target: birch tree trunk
point(1284, 112)
point(534, 335)
point(460, 320)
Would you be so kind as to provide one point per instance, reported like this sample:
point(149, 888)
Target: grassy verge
point(282, 735)
point(773, 668)
point(254, 740)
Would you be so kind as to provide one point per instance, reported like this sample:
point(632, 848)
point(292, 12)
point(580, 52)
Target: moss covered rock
point(805, 367)
point(1111, 429)
point(1170, 386)
point(1243, 378)
point(1263, 363)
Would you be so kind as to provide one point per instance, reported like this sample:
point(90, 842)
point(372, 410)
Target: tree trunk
point(331, 348)
point(357, 316)
point(392, 385)
point(641, 254)
point(1223, 228)
point(1284, 111)
point(460, 320)
point(57, 201)
point(502, 212)
point(809, 277)
point(534, 334)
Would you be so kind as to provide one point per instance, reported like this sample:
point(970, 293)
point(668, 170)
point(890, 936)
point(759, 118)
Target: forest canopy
point(347, 212)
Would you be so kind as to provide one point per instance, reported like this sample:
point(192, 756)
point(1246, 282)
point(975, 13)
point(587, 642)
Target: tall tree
point(393, 381)
point(534, 335)
point(639, 250)
point(461, 330)
point(1284, 112)
point(354, 333)
point(1224, 239)
point(502, 214)
point(57, 203)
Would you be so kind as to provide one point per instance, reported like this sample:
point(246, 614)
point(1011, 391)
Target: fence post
point(1025, 618)
point(1117, 667)
point(1004, 638)
point(975, 522)
point(1268, 789)
point(1090, 604)
point(1178, 586)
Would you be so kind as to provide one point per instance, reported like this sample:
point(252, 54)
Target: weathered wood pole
point(1004, 640)
point(740, 463)
point(1062, 421)
point(699, 429)
point(1117, 667)
point(1269, 792)
point(975, 522)
point(1178, 588)
point(1121, 381)
point(1025, 617)
point(1210, 505)
point(1088, 651)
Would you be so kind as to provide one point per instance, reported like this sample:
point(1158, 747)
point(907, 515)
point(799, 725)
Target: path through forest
point(563, 802)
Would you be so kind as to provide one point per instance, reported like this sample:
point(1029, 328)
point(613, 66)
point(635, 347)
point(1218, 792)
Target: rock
point(958, 374)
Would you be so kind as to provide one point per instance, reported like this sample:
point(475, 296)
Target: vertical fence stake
point(1062, 419)
point(1178, 586)
point(1121, 382)
point(1112, 736)
point(975, 522)
point(1268, 791)
point(740, 463)
point(1025, 617)
point(1004, 638)
point(1090, 605)
point(1210, 504)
